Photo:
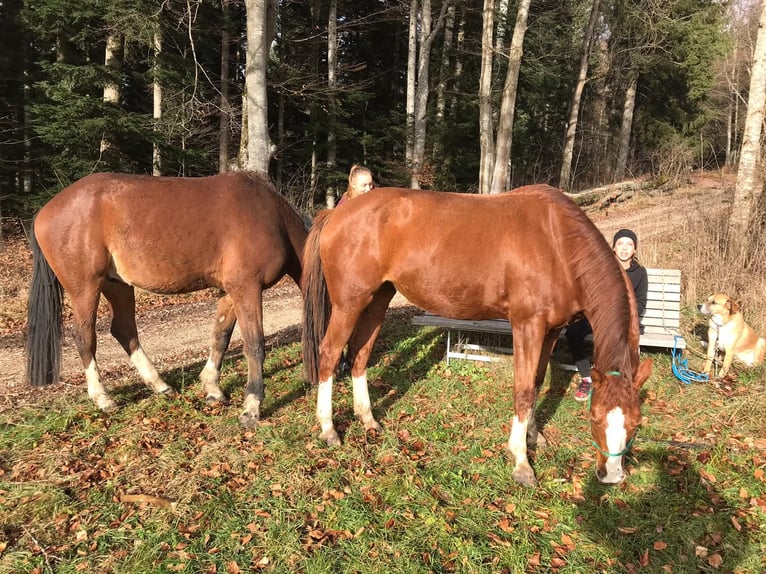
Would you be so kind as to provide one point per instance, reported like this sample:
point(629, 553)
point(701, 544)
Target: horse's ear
point(644, 370)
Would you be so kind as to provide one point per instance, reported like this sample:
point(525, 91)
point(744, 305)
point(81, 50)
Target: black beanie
point(625, 233)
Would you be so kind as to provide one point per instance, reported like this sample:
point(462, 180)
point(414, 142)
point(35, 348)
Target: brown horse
point(530, 255)
point(109, 233)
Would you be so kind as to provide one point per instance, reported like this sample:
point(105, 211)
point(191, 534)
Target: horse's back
point(167, 234)
point(460, 255)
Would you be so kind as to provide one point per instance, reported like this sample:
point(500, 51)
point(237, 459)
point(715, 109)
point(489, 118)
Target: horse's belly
point(165, 277)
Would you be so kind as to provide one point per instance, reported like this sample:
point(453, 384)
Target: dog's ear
point(733, 306)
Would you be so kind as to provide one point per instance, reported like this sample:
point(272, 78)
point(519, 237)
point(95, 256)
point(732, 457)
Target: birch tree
point(574, 105)
point(749, 184)
point(224, 118)
point(113, 56)
point(261, 21)
point(412, 66)
point(425, 36)
point(156, 103)
point(508, 105)
point(486, 126)
point(332, 85)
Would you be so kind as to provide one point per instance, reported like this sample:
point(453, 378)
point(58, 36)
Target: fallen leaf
point(735, 523)
point(715, 560)
point(660, 545)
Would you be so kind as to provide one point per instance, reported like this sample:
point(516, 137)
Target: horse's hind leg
point(225, 319)
point(84, 302)
point(121, 297)
point(249, 311)
point(360, 348)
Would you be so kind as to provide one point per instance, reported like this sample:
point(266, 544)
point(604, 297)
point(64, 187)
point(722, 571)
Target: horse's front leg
point(535, 438)
point(249, 312)
point(225, 319)
point(529, 345)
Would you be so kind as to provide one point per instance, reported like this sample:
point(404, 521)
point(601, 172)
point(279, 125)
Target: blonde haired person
point(359, 182)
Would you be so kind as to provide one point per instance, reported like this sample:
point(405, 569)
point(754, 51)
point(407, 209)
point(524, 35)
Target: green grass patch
point(178, 486)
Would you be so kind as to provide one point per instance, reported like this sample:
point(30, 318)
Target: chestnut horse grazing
point(110, 233)
point(529, 255)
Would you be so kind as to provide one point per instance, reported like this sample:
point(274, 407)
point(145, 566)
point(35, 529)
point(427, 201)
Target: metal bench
point(661, 322)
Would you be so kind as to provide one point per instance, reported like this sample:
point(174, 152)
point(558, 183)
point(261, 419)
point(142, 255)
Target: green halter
point(630, 442)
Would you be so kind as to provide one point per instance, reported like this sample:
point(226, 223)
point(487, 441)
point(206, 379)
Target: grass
point(178, 486)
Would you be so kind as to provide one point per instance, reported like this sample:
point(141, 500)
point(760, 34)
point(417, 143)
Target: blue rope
point(681, 369)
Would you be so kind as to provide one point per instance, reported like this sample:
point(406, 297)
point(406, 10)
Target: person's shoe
point(583, 390)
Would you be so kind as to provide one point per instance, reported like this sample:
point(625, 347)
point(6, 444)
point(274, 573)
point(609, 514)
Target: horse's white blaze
point(616, 438)
point(517, 442)
point(324, 405)
point(147, 371)
point(96, 390)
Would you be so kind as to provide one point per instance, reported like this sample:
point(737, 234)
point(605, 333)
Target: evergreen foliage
point(53, 118)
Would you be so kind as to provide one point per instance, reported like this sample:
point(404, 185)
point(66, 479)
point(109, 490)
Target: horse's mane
point(607, 289)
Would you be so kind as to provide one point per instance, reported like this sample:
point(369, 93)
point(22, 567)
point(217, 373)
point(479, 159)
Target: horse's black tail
point(43, 321)
point(316, 301)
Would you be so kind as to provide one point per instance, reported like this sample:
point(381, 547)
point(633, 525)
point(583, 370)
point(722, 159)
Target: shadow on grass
point(186, 376)
point(674, 518)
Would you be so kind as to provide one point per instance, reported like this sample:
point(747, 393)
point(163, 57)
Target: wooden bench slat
point(661, 320)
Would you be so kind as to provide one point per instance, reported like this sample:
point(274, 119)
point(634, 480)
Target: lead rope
point(681, 370)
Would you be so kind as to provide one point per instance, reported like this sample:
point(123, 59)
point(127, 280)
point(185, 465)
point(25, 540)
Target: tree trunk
point(332, 85)
point(749, 177)
point(224, 118)
point(412, 59)
point(113, 56)
point(508, 106)
point(574, 106)
point(157, 104)
point(486, 129)
point(626, 126)
point(421, 95)
point(261, 17)
point(441, 87)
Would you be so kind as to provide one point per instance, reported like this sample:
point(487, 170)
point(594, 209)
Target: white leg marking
point(616, 438)
point(362, 407)
point(96, 390)
point(517, 445)
point(147, 371)
point(324, 412)
point(210, 377)
point(252, 406)
point(517, 442)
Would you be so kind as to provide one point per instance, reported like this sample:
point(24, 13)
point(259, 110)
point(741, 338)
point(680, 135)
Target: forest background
point(421, 92)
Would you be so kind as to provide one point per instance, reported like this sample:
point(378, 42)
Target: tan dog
point(728, 332)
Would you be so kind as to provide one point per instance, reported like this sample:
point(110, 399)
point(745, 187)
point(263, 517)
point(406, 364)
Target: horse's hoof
point(106, 405)
point(373, 426)
point(330, 437)
point(169, 393)
point(525, 477)
point(248, 420)
point(213, 400)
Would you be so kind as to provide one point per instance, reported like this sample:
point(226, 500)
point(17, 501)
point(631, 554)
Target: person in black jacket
point(624, 244)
